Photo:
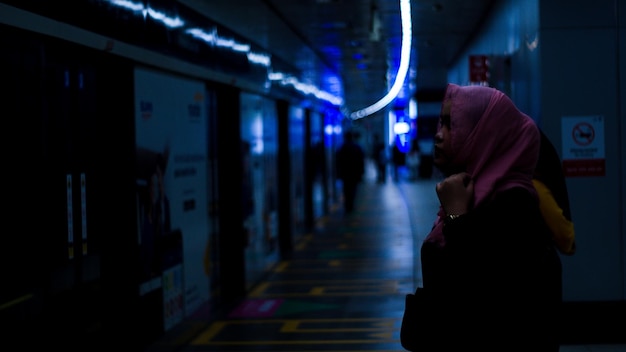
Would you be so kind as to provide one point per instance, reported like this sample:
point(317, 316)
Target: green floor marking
point(291, 307)
point(339, 254)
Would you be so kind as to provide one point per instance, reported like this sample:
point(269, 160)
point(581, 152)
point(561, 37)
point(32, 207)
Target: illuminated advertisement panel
point(171, 144)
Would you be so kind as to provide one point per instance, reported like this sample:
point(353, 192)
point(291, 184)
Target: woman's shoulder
point(516, 194)
point(514, 204)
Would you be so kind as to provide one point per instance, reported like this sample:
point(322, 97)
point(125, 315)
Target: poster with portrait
point(259, 135)
point(171, 144)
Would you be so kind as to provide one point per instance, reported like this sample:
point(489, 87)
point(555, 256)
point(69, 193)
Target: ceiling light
point(405, 55)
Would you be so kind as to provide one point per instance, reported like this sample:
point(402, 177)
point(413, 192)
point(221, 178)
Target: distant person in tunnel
point(350, 166)
point(491, 273)
point(379, 155)
point(413, 159)
point(398, 161)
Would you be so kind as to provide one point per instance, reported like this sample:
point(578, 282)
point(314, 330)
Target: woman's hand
point(455, 193)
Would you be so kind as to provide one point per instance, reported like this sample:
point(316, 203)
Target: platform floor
point(344, 288)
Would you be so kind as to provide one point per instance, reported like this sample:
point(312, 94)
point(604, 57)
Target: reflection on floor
point(344, 288)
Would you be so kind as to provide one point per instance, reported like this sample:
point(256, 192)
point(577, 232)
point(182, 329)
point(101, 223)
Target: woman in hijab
point(491, 275)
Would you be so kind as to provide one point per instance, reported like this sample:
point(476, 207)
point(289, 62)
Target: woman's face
point(443, 144)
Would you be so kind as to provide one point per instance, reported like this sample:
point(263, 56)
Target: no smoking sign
point(583, 134)
point(583, 145)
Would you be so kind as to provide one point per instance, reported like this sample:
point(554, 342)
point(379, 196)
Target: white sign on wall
point(583, 145)
point(171, 140)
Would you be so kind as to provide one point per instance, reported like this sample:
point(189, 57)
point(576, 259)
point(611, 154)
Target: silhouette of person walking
point(398, 159)
point(379, 155)
point(350, 162)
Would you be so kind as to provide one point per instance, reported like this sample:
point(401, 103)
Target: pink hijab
point(498, 144)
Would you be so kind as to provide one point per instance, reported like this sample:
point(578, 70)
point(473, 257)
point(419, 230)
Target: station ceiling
point(356, 41)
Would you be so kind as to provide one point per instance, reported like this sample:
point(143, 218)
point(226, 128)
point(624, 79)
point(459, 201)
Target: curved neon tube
point(405, 55)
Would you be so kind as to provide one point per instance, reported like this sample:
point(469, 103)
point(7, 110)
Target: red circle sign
point(583, 133)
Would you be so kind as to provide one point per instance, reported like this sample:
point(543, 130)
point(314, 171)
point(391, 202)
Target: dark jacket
point(350, 161)
point(496, 284)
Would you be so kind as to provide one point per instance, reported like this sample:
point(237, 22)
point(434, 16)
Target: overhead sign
point(583, 145)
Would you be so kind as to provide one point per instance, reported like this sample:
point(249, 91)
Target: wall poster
point(583, 146)
point(259, 136)
point(171, 145)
